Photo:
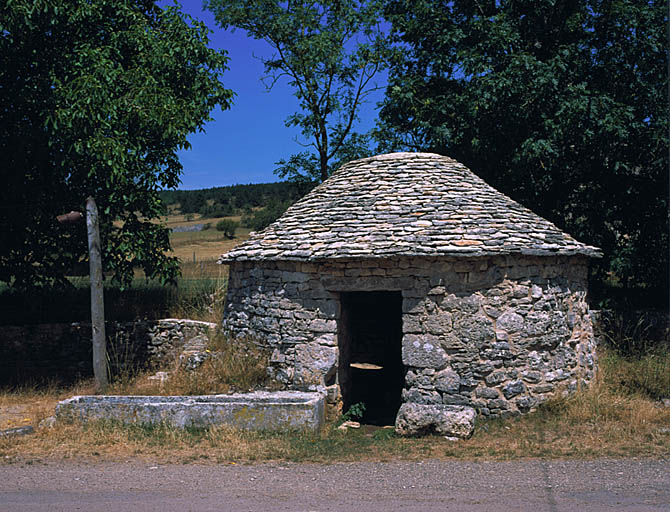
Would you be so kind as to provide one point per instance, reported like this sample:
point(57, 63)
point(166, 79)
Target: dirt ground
point(532, 486)
point(12, 416)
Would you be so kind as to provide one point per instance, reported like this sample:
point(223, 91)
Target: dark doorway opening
point(370, 367)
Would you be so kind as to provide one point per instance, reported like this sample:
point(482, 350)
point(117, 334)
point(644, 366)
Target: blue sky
point(243, 143)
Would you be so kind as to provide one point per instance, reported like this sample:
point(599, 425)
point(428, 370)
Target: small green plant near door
point(354, 413)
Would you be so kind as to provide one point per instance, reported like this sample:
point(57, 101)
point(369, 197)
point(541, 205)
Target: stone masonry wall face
point(500, 334)
point(63, 351)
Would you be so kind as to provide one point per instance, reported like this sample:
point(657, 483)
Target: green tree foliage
point(260, 219)
point(560, 104)
point(225, 201)
point(329, 51)
point(217, 210)
point(228, 227)
point(97, 97)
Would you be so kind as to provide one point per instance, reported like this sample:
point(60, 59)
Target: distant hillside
point(257, 204)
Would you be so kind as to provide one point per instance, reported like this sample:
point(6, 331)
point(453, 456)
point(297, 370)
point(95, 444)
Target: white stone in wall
point(423, 351)
point(313, 364)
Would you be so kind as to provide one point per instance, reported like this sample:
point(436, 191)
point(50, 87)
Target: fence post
point(97, 301)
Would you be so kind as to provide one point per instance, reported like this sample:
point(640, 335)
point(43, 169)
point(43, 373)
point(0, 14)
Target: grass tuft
point(234, 365)
point(646, 374)
point(199, 299)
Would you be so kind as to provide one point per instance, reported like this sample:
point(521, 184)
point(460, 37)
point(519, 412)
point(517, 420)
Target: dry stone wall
point(500, 334)
point(63, 351)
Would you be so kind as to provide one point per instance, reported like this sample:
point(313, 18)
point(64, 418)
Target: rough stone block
point(421, 396)
point(496, 378)
point(536, 292)
point(513, 388)
point(469, 304)
point(423, 352)
point(480, 370)
point(326, 339)
point(326, 326)
point(537, 323)
point(492, 311)
point(510, 322)
point(451, 341)
point(531, 376)
point(476, 330)
point(486, 393)
point(555, 375)
point(294, 277)
point(543, 388)
point(411, 324)
point(447, 381)
point(314, 363)
point(447, 420)
point(457, 400)
point(526, 403)
point(438, 323)
point(520, 292)
point(498, 403)
point(328, 308)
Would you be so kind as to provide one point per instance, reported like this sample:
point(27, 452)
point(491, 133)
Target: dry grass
point(234, 365)
point(196, 247)
point(648, 374)
point(603, 421)
point(179, 219)
point(204, 269)
point(30, 405)
point(202, 246)
point(200, 299)
point(202, 238)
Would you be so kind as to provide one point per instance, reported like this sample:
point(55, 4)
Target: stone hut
point(404, 279)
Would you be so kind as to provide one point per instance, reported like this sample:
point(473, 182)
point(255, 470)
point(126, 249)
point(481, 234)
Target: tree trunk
point(324, 165)
point(97, 301)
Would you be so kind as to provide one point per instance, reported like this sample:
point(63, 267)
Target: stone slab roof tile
point(406, 204)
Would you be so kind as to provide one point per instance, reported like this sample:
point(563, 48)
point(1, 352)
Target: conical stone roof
point(406, 204)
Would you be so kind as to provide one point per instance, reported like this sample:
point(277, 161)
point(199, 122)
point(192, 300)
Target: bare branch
point(362, 83)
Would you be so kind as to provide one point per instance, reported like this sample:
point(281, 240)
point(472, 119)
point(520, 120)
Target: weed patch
point(647, 374)
point(232, 365)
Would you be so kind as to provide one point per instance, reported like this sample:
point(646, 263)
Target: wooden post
point(97, 302)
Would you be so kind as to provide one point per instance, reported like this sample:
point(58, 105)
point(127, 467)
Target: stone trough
point(261, 410)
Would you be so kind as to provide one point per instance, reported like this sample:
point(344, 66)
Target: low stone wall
point(62, 352)
point(500, 334)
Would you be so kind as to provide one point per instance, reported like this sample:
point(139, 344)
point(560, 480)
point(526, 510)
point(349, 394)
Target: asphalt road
point(574, 486)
